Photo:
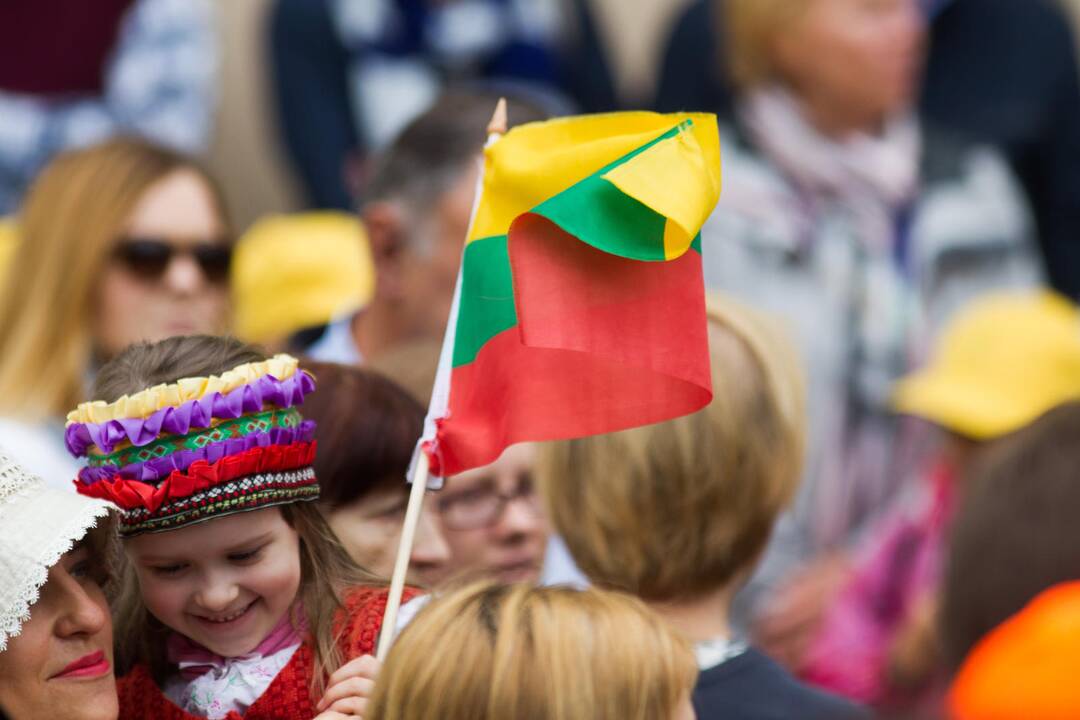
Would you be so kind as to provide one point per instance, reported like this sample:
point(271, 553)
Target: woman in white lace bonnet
point(56, 645)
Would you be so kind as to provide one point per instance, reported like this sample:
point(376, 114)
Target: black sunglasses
point(149, 258)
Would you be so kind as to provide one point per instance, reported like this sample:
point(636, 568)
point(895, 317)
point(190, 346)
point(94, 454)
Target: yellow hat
point(1003, 361)
point(295, 271)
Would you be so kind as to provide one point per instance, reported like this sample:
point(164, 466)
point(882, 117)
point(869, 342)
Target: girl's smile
point(227, 618)
point(224, 583)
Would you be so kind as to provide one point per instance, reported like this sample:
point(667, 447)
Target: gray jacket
point(862, 318)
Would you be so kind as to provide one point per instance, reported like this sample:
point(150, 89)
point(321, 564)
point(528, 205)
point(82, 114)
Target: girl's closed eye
point(246, 557)
point(168, 570)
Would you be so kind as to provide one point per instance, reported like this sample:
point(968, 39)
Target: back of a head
point(491, 652)
point(435, 148)
point(677, 510)
point(1016, 533)
point(367, 428)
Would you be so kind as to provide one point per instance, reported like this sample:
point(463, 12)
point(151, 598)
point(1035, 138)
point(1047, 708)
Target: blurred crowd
point(873, 517)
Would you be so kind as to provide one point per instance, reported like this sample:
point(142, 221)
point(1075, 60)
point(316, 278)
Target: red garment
point(287, 697)
point(58, 47)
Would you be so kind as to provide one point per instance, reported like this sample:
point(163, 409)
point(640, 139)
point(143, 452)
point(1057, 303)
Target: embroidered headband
point(199, 448)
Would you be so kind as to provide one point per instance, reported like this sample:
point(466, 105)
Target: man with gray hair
point(416, 212)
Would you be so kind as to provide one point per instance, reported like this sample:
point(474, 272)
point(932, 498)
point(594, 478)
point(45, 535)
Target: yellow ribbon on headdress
point(145, 403)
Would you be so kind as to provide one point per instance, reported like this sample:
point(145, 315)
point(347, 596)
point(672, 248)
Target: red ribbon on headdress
point(201, 475)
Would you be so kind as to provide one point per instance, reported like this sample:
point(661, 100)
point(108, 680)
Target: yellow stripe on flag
point(536, 161)
point(678, 178)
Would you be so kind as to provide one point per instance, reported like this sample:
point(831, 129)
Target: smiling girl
point(238, 600)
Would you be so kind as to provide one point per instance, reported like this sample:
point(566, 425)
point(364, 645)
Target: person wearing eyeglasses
point(117, 243)
point(493, 522)
point(471, 506)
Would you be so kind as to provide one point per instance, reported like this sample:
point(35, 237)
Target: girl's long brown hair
point(67, 226)
point(326, 569)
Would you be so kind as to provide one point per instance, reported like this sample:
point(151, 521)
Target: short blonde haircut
point(751, 28)
point(492, 652)
point(677, 510)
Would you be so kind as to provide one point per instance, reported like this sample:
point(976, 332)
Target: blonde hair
point(68, 224)
point(489, 652)
point(676, 510)
point(751, 28)
point(326, 569)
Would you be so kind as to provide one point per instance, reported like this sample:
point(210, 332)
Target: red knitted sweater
point(287, 697)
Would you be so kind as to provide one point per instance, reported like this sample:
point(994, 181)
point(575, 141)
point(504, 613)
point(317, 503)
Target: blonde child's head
point(678, 510)
point(489, 652)
point(222, 564)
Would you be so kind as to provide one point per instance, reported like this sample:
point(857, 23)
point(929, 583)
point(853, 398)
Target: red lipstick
point(92, 665)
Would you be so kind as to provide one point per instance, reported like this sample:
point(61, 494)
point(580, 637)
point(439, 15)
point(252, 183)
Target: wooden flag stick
point(401, 565)
point(495, 128)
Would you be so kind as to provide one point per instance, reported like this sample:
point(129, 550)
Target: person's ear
point(385, 225)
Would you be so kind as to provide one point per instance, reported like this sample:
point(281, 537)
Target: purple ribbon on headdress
point(157, 469)
point(198, 413)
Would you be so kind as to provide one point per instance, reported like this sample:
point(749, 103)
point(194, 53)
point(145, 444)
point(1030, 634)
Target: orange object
point(1026, 668)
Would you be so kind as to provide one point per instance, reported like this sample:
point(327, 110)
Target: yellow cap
point(1003, 361)
point(295, 271)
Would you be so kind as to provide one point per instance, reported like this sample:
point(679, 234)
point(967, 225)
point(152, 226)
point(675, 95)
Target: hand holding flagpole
point(496, 128)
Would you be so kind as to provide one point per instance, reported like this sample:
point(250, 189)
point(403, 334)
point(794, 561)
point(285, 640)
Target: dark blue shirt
point(751, 686)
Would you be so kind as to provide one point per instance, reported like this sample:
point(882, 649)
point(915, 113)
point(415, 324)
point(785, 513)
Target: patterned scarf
point(874, 176)
point(212, 686)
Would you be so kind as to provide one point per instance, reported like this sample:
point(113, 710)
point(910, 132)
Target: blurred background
point(901, 189)
point(247, 151)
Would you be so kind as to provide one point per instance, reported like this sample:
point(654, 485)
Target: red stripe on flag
point(611, 344)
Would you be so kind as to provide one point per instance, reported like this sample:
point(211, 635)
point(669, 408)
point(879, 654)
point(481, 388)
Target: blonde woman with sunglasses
point(120, 242)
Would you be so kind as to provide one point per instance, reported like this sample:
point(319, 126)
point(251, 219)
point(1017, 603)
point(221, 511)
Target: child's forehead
point(217, 535)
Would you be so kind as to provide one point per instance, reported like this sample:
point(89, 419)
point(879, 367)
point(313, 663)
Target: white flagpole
point(496, 128)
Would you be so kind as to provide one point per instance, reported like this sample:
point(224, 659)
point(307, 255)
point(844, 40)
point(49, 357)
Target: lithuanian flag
point(580, 303)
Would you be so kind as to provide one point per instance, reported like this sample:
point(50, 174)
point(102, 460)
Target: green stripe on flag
point(486, 307)
point(599, 214)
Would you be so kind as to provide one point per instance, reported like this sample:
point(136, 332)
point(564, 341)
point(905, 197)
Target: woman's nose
point(83, 612)
point(520, 517)
point(184, 276)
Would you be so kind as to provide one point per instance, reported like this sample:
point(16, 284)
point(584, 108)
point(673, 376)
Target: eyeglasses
point(150, 258)
point(483, 506)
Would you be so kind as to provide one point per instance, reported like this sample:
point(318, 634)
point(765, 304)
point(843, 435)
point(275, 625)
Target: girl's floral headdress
point(200, 448)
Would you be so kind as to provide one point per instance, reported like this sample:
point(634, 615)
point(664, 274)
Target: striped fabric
point(580, 305)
